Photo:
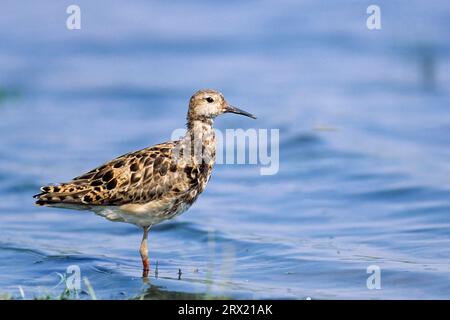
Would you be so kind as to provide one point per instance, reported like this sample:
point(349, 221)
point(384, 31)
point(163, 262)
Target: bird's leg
point(144, 253)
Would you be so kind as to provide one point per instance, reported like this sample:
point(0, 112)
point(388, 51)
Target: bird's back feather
point(138, 177)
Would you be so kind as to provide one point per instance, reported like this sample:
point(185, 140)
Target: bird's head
point(207, 104)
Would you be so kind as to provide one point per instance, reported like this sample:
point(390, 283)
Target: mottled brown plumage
point(153, 184)
point(138, 178)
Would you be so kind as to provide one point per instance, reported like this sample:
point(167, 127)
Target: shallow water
point(364, 146)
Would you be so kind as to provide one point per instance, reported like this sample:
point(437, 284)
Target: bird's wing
point(137, 177)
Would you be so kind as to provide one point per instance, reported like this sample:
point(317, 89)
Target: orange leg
point(144, 253)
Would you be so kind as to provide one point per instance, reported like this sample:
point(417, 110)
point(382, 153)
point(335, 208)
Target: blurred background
point(364, 146)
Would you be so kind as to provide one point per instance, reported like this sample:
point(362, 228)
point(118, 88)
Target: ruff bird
point(154, 184)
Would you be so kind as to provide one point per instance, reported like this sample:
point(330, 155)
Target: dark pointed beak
point(231, 109)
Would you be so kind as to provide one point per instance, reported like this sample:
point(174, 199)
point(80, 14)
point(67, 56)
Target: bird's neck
point(201, 138)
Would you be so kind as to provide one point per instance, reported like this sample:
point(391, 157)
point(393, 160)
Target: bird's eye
point(210, 100)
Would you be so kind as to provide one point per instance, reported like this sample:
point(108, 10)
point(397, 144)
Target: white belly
point(142, 215)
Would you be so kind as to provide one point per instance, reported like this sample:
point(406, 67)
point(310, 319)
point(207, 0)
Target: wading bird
point(154, 184)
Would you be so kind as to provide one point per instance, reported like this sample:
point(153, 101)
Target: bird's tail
point(61, 194)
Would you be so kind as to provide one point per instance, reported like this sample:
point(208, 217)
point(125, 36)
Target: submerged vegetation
point(151, 292)
point(68, 293)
